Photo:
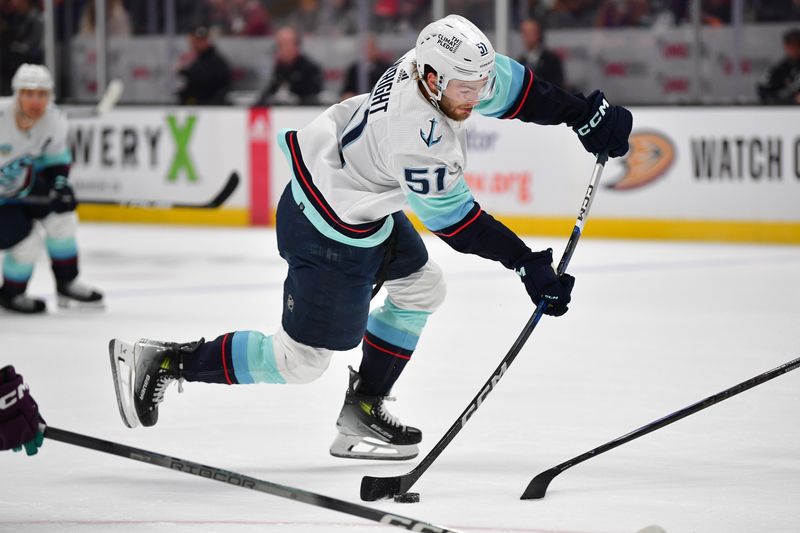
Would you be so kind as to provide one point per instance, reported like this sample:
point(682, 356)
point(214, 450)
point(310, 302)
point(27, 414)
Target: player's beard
point(453, 111)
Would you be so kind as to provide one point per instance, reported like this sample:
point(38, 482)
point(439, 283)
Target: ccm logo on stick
point(477, 403)
point(13, 397)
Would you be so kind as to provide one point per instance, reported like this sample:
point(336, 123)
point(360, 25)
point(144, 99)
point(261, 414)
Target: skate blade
point(121, 355)
point(357, 447)
point(76, 305)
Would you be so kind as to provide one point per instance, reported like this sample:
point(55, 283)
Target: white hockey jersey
point(23, 153)
point(379, 153)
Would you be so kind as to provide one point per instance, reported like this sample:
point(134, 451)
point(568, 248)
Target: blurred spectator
point(118, 23)
point(572, 14)
point(216, 17)
point(622, 13)
point(376, 66)
point(777, 10)
point(21, 38)
point(545, 64)
point(305, 17)
point(715, 12)
point(783, 80)
point(339, 18)
point(400, 16)
point(206, 77)
point(530, 9)
point(480, 12)
point(295, 78)
point(249, 18)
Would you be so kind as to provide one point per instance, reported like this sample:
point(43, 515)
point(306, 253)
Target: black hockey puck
point(407, 497)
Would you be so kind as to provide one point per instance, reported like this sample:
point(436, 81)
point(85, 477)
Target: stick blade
point(376, 488)
point(111, 96)
point(224, 194)
point(538, 485)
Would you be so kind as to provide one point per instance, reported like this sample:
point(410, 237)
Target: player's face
point(460, 97)
point(33, 102)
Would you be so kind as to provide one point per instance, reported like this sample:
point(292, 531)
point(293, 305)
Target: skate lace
point(386, 416)
point(160, 388)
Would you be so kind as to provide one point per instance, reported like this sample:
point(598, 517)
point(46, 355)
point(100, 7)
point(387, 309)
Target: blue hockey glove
point(62, 197)
point(541, 282)
point(20, 423)
point(606, 127)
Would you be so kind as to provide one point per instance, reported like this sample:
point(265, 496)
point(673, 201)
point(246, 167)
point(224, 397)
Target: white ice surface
point(653, 327)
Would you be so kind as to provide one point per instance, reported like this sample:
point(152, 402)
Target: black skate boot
point(368, 431)
point(75, 295)
point(142, 372)
point(22, 304)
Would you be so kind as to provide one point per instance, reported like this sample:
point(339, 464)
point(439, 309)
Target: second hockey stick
point(240, 480)
point(109, 100)
point(224, 193)
point(374, 488)
point(537, 488)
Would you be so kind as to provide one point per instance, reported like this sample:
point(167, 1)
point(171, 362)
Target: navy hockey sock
point(11, 289)
point(212, 362)
point(381, 365)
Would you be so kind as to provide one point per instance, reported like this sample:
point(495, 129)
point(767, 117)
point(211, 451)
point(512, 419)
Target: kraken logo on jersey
point(429, 140)
point(15, 177)
point(290, 303)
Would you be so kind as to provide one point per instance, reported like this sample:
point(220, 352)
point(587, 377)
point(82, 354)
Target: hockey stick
point(374, 488)
point(218, 200)
point(538, 485)
point(240, 480)
point(109, 100)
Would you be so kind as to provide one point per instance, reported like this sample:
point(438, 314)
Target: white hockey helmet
point(457, 50)
point(29, 76)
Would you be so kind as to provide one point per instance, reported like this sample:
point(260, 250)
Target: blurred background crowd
point(273, 52)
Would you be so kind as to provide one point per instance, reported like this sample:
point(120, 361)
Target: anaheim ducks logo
point(650, 156)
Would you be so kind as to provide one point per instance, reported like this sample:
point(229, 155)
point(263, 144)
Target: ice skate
point(142, 372)
point(76, 295)
point(368, 431)
point(22, 304)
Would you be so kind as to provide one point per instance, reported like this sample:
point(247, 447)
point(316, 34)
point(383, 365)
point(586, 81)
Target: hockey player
point(34, 191)
point(20, 422)
point(341, 228)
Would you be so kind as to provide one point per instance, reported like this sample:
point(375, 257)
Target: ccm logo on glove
point(595, 120)
point(13, 397)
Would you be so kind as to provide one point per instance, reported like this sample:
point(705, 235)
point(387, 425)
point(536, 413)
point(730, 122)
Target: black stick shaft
point(537, 487)
point(240, 480)
point(374, 488)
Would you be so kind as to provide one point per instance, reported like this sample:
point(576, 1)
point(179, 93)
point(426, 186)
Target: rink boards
point(727, 173)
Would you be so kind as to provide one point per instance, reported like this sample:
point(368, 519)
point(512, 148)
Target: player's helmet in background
point(30, 76)
point(457, 50)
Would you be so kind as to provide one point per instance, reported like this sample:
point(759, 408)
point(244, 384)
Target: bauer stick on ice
point(538, 485)
point(240, 480)
point(374, 488)
point(106, 103)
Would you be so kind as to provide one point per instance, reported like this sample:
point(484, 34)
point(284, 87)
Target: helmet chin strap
point(434, 99)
